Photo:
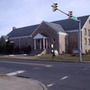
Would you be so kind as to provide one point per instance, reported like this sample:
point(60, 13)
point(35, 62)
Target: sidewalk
point(16, 83)
point(21, 56)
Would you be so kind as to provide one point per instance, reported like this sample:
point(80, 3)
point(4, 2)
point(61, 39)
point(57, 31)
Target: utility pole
point(79, 42)
point(79, 30)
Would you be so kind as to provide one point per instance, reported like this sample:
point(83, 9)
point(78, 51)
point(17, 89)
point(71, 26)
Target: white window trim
point(61, 33)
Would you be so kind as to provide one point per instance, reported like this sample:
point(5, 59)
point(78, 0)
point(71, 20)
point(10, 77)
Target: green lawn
point(65, 57)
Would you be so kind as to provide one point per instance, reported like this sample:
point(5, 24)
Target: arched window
point(85, 41)
point(89, 21)
point(85, 31)
point(88, 41)
point(88, 32)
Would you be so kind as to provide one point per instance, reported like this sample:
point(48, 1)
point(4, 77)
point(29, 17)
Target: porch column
point(40, 44)
point(46, 44)
point(19, 43)
point(35, 44)
point(43, 43)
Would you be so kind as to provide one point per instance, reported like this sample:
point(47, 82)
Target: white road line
point(15, 73)
point(63, 78)
point(33, 64)
point(11, 55)
point(49, 65)
point(50, 85)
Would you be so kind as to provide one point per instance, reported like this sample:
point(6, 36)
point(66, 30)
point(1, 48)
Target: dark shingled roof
point(24, 31)
point(56, 27)
point(27, 31)
point(69, 24)
point(62, 25)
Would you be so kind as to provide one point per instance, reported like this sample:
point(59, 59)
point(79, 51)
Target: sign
point(74, 18)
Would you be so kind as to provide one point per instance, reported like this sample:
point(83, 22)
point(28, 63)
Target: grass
point(86, 57)
point(66, 57)
point(2, 75)
point(58, 58)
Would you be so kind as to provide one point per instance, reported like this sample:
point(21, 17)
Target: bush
point(16, 50)
point(27, 50)
point(22, 50)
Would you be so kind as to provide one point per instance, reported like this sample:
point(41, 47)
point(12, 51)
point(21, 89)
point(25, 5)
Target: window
point(86, 51)
point(89, 32)
point(89, 21)
point(85, 41)
point(88, 41)
point(38, 40)
point(85, 31)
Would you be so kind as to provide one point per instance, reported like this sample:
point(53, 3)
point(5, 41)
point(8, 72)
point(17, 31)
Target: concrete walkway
point(16, 83)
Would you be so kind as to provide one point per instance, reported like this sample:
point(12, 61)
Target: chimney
point(13, 28)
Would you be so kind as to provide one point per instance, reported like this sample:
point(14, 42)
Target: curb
point(42, 85)
point(4, 78)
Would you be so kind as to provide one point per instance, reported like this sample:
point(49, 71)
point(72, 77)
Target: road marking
point(33, 64)
point(25, 54)
point(49, 65)
point(63, 78)
point(15, 73)
point(50, 85)
point(11, 55)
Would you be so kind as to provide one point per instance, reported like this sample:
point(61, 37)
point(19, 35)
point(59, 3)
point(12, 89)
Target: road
point(55, 75)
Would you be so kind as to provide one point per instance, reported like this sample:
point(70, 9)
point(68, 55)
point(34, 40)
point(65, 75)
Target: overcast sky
point(20, 13)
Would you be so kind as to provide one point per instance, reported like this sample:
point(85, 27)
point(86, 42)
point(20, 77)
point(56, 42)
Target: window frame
point(89, 41)
point(85, 41)
point(88, 32)
point(89, 21)
point(85, 33)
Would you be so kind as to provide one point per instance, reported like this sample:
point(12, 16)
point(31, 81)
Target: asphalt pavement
point(55, 75)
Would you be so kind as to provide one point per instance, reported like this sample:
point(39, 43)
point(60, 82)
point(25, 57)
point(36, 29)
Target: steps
point(37, 52)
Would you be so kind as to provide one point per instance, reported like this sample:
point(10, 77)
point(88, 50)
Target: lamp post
point(79, 30)
point(79, 42)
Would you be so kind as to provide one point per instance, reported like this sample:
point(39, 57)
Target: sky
point(21, 13)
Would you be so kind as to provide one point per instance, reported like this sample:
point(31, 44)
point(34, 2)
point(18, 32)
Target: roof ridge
point(69, 18)
point(69, 24)
point(57, 27)
point(26, 26)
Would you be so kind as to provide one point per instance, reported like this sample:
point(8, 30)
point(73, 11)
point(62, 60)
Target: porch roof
point(39, 36)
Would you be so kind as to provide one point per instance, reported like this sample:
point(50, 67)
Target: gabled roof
point(69, 24)
point(27, 31)
point(24, 31)
point(39, 36)
point(56, 27)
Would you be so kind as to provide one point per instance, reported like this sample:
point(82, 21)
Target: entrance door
point(38, 44)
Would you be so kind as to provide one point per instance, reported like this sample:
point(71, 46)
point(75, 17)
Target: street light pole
point(79, 31)
point(79, 41)
point(63, 12)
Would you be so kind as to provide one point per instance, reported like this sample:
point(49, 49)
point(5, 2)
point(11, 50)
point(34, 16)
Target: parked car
point(75, 52)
